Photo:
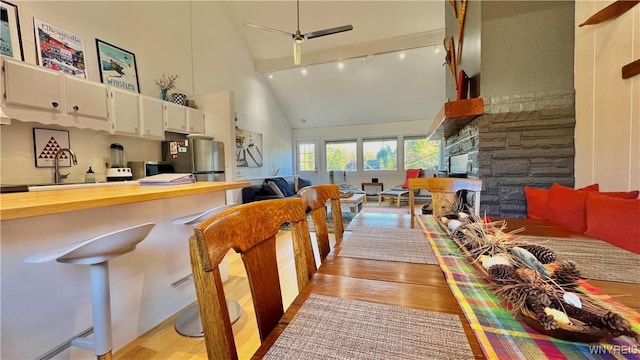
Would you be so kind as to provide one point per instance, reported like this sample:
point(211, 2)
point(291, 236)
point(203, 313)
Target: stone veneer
point(520, 140)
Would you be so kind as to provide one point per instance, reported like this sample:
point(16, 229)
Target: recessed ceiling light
point(270, 75)
point(402, 55)
point(304, 71)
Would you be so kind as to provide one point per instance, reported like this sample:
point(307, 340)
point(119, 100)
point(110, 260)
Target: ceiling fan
point(298, 37)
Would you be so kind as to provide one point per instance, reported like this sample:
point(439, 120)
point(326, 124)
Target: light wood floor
point(163, 342)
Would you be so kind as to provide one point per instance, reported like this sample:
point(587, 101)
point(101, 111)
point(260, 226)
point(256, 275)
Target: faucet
point(57, 177)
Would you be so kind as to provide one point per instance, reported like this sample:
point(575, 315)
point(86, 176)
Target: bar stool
point(96, 253)
point(188, 322)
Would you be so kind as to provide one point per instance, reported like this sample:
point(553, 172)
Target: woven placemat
point(327, 327)
point(379, 220)
point(407, 245)
point(596, 259)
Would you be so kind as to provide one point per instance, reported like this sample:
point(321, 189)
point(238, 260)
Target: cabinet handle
point(54, 104)
point(75, 108)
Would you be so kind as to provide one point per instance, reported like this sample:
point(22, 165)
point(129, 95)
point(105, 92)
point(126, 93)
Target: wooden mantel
point(453, 116)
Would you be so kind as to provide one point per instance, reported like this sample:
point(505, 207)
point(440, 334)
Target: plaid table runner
point(499, 334)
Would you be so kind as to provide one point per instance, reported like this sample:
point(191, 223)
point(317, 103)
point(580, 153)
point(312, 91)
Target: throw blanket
point(499, 334)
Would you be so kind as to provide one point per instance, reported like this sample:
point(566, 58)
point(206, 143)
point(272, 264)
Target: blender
point(117, 171)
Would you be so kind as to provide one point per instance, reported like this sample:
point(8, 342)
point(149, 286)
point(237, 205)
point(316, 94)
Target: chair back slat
point(250, 229)
point(315, 197)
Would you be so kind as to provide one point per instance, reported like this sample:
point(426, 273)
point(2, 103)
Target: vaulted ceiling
point(388, 68)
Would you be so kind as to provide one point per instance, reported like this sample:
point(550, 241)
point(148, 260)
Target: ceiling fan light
point(297, 52)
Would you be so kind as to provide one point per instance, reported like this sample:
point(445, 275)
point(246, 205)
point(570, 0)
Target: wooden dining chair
point(443, 192)
point(315, 197)
point(250, 229)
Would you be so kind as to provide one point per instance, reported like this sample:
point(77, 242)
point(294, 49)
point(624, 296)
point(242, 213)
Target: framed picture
point(11, 40)
point(117, 67)
point(248, 148)
point(59, 49)
point(46, 143)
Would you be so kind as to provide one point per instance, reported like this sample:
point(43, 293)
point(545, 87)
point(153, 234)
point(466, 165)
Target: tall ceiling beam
point(353, 51)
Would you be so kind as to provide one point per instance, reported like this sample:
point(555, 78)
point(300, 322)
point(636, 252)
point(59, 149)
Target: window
point(341, 155)
point(421, 153)
point(306, 156)
point(380, 154)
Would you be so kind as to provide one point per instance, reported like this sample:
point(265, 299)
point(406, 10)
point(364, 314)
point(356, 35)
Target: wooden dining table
point(411, 285)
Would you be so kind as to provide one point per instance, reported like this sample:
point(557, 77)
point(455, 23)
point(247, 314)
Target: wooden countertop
point(27, 204)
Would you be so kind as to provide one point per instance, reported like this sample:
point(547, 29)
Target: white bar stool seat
point(188, 322)
point(97, 252)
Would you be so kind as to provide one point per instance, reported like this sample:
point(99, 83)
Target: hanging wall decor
point(117, 67)
point(59, 49)
point(11, 39)
point(46, 143)
point(248, 148)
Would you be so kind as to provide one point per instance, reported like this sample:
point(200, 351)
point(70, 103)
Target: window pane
point(341, 155)
point(380, 154)
point(307, 157)
point(421, 153)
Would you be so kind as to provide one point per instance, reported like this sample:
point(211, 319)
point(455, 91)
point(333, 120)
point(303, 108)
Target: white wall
point(607, 130)
point(192, 39)
point(222, 62)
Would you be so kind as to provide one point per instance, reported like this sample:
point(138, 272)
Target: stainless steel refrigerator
point(197, 154)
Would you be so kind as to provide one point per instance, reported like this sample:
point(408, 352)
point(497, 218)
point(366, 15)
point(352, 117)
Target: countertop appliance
point(117, 171)
point(197, 154)
point(141, 169)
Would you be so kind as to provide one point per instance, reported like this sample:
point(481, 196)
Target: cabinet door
point(195, 119)
point(124, 112)
point(33, 87)
point(151, 121)
point(175, 118)
point(86, 98)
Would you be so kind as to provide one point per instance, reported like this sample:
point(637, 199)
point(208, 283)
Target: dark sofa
point(273, 188)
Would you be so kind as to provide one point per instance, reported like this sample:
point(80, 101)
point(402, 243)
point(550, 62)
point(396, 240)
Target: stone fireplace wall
point(520, 140)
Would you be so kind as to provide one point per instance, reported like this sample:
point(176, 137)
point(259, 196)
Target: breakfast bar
point(44, 305)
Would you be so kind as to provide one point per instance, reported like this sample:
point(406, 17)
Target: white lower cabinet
point(151, 121)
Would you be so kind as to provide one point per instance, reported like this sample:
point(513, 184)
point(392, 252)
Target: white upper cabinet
point(151, 121)
point(86, 99)
point(195, 119)
point(32, 87)
point(125, 116)
point(33, 93)
point(175, 117)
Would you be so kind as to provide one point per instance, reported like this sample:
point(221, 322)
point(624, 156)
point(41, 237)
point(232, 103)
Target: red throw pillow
point(592, 187)
point(567, 207)
point(622, 194)
point(616, 221)
point(410, 174)
point(537, 200)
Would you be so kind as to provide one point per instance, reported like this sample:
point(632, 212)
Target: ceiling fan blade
point(268, 29)
point(335, 30)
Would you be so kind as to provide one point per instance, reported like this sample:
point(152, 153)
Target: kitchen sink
point(64, 186)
